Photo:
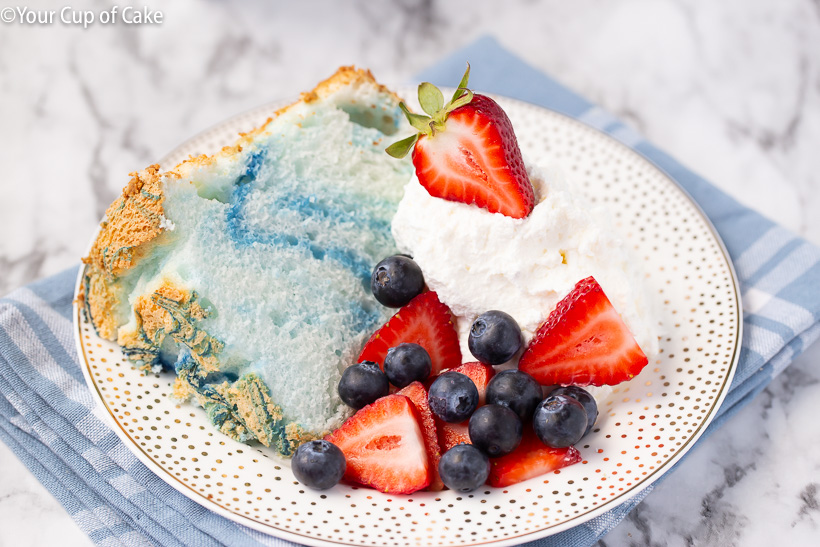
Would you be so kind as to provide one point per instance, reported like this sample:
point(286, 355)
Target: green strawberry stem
point(399, 149)
point(432, 102)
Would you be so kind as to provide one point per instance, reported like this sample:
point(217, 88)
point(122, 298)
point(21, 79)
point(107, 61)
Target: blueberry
point(396, 280)
point(453, 397)
point(516, 390)
point(559, 421)
point(464, 468)
point(582, 396)
point(406, 363)
point(495, 337)
point(495, 430)
point(362, 384)
point(318, 464)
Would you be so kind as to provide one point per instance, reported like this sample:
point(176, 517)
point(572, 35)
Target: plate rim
point(582, 518)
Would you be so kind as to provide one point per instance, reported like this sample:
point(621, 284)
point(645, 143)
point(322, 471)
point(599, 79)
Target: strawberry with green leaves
point(466, 151)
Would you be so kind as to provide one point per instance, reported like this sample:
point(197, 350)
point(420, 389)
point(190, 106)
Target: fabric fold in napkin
point(49, 419)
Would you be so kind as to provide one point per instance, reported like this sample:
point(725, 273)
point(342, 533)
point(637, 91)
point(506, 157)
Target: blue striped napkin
point(48, 418)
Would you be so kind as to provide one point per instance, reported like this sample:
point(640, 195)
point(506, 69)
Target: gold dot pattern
point(644, 426)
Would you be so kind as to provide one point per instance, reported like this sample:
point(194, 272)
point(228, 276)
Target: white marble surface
point(731, 88)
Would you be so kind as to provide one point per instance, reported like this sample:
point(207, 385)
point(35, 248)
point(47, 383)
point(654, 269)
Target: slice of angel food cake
point(247, 272)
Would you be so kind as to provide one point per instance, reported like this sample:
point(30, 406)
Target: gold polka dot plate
point(645, 425)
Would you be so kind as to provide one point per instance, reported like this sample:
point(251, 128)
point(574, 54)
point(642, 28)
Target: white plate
point(644, 427)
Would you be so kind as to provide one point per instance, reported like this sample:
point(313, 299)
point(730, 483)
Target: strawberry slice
point(418, 395)
point(476, 160)
point(424, 321)
point(583, 342)
point(466, 151)
point(450, 435)
point(531, 459)
point(384, 446)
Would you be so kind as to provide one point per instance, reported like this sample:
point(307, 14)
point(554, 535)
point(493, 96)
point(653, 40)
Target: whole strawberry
point(466, 151)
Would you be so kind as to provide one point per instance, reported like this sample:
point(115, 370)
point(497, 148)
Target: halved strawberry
point(418, 395)
point(384, 446)
point(466, 151)
point(449, 434)
point(424, 321)
point(583, 342)
point(531, 459)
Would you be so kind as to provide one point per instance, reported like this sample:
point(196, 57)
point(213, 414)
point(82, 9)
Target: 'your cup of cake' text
point(128, 15)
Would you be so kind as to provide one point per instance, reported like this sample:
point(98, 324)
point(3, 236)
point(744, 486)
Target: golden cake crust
point(131, 221)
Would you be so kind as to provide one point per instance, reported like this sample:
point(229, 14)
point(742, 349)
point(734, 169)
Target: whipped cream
point(478, 261)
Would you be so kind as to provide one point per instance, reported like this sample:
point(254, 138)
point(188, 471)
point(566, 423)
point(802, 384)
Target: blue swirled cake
point(247, 272)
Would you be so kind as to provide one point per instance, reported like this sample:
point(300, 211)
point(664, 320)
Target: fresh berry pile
point(427, 421)
point(424, 420)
